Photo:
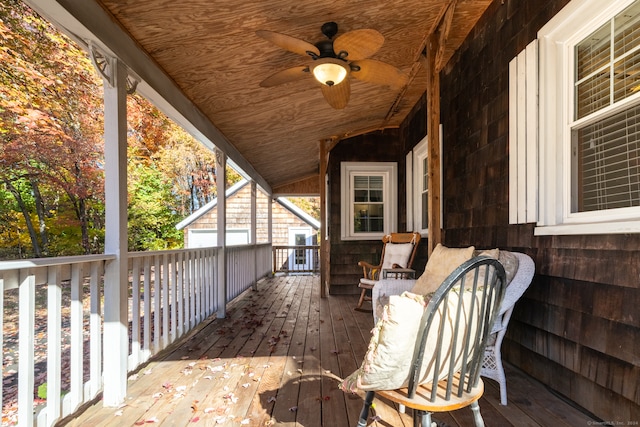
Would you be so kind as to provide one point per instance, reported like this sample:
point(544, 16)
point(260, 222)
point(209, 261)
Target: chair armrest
point(367, 265)
point(520, 282)
point(368, 269)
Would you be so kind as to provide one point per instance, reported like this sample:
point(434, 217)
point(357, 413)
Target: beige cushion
point(397, 253)
point(508, 260)
point(441, 264)
point(387, 363)
point(491, 253)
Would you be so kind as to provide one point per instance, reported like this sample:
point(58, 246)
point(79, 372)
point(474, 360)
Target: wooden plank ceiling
point(211, 50)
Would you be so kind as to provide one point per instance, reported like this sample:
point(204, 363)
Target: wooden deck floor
point(275, 360)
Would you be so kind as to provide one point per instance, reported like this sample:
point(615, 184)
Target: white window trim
point(414, 184)
point(389, 172)
point(556, 39)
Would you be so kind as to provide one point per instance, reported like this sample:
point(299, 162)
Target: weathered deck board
point(275, 360)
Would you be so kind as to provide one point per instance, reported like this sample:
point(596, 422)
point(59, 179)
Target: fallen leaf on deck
point(293, 409)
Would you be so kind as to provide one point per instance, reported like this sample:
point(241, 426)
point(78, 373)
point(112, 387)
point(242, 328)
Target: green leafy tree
point(152, 211)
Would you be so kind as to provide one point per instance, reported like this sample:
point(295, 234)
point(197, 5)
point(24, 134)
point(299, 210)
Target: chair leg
point(477, 417)
point(361, 300)
point(421, 418)
point(502, 379)
point(364, 414)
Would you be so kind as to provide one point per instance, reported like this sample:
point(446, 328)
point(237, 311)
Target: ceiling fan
point(334, 60)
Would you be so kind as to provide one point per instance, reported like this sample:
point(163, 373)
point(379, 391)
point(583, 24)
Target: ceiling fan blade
point(378, 72)
point(286, 76)
point(289, 43)
point(359, 44)
point(337, 95)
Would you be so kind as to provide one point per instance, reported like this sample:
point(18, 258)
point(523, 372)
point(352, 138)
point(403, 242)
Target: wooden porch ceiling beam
point(442, 31)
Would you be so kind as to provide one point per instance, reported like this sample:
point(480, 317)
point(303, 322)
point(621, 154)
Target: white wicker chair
point(492, 363)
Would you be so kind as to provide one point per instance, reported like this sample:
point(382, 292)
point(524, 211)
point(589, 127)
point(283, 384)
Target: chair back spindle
point(461, 313)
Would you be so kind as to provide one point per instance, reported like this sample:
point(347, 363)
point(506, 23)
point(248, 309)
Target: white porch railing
point(296, 259)
point(246, 264)
point(57, 304)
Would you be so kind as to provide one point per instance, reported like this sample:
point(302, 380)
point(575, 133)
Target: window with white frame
point(589, 112)
point(418, 186)
point(369, 203)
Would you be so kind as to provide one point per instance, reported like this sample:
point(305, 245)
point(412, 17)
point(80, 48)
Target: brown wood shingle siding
point(387, 146)
point(576, 329)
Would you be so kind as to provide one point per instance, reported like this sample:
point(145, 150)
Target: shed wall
point(239, 217)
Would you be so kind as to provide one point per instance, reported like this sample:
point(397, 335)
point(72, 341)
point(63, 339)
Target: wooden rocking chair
point(398, 252)
point(445, 376)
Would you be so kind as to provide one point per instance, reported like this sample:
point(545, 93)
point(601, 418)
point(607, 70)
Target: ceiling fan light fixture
point(330, 71)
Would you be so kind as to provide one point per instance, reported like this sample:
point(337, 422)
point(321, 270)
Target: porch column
point(323, 240)
point(433, 142)
point(270, 219)
point(252, 235)
point(115, 275)
point(326, 145)
point(221, 188)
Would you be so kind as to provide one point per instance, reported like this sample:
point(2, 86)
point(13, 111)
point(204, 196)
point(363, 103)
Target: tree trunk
point(84, 226)
point(37, 251)
point(41, 211)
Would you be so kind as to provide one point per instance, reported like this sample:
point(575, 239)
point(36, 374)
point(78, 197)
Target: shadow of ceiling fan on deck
point(333, 61)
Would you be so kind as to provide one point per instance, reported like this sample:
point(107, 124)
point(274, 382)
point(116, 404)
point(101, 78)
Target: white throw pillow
point(387, 363)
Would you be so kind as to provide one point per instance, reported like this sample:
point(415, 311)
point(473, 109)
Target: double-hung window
point(589, 112)
point(369, 202)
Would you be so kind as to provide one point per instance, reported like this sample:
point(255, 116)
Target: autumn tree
point(50, 122)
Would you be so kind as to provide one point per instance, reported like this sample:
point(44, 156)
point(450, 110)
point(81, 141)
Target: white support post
point(252, 238)
point(221, 188)
point(270, 219)
point(115, 288)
